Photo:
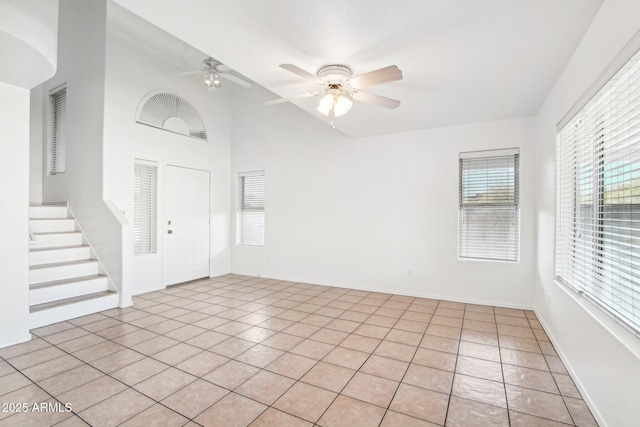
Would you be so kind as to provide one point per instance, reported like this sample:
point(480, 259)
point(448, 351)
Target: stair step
point(69, 238)
point(62, 289)
point(56, 248)
point(62, 270)
point(49, 255)
point(64, 281)
point(49, 225)
point(70, 308)
point(48, 211)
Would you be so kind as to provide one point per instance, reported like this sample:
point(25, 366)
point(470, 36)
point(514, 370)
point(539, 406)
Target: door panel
point(186, 226)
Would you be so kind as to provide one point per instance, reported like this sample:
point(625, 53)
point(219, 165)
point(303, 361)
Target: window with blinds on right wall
point(598, 195)
point(489, 215)
point(250, 210)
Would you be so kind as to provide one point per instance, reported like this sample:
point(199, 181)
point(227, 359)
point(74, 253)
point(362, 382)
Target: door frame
point(165, 226)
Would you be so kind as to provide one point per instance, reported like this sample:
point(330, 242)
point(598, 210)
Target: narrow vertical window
point(145, 207)
point(250, 212)
point(489, 212)
point(58, 131)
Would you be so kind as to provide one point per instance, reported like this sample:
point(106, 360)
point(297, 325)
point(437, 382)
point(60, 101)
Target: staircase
point(65, 279)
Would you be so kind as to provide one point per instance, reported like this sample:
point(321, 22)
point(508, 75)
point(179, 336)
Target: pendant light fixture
point(211, 79)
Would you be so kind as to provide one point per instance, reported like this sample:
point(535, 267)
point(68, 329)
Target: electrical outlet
point(410, 272)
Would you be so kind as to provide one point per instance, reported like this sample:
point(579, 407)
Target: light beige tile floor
point(237, 350)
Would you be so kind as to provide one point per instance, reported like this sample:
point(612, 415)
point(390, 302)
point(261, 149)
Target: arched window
point(168, 111)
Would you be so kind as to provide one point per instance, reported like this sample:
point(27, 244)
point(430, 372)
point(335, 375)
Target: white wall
point(81, 67)
point(362, 212)
point(37, 144)
point(133, 70)
point(28, 35)
point(28, 41)
point(604, 358)
point(14, 215)
point(81, 59)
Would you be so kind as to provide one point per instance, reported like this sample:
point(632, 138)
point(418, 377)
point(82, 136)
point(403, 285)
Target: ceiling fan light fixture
point(326, 103)
point(211, 79)
point(340, 89)
point(340, 104)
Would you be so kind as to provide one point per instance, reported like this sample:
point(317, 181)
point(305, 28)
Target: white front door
point(186, 225)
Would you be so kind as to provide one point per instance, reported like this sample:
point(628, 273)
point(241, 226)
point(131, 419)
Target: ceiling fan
point(213, 70)
point(338, 88)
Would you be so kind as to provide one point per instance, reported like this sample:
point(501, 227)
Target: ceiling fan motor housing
point(211, 64)
point(334, 73)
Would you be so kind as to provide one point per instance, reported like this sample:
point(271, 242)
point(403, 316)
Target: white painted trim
point(607, 73)
point(125, 296)
point(25, 338)
point(621, 333)
point(494, 152)
point(574, 376)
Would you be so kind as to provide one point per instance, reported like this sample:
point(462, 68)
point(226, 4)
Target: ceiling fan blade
point(195, 61)
point(236, 80)
point(372, 78)
point(291, 98)
point(302, 73)
point(370, 98)
point(189, 73)
point(223, 68)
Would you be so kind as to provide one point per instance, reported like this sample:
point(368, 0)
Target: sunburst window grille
point(161, 109)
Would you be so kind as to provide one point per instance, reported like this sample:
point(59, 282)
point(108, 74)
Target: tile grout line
point(551, 373)
point(504, 380)
point(339, 393)
point(388, 408)
point(128, 387)
point(235, 289)
point(455, 365)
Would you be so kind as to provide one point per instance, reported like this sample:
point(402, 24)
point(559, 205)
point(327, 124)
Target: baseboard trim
point(22, 339)
point(576, 379)
point(503, 304)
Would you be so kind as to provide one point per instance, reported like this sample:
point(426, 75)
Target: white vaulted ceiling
point(463, 61)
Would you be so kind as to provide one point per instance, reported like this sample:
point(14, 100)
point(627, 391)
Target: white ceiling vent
point(168, 111)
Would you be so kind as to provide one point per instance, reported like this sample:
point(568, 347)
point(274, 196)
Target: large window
point(145, 207)
point(250, 212)
point(489, 215)
point(598, 198)
point(57, 131)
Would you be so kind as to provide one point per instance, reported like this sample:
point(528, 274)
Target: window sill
point(500, 261)
point(621, 333)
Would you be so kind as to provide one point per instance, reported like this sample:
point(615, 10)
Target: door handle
point(169, 232)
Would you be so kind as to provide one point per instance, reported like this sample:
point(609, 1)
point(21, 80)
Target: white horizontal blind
point(58, 137)
point(250, 212)
point(489, 215)
point(598, 198)
point(145, 207)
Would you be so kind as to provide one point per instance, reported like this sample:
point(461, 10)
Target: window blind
point(598, 198)
point(58, 138)
point(250, 212)
point(489, 216)
point(145, 207)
